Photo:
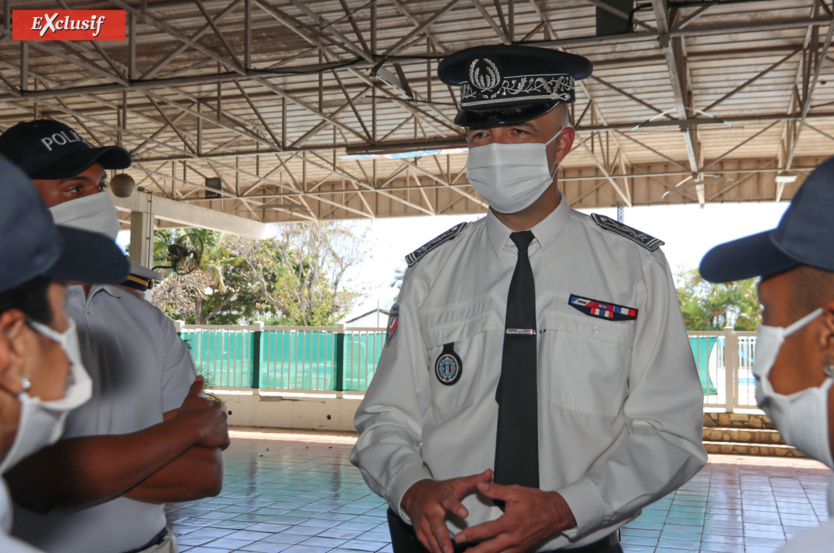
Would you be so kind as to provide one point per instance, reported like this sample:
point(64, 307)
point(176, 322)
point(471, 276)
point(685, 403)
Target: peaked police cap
point(503, 85)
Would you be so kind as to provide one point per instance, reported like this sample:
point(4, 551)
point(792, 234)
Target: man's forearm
point(80, 472)
point(195, 474)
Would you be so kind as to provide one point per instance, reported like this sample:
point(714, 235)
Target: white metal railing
point(341, 359)
point(725, 361)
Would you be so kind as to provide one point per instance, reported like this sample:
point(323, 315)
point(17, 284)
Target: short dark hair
point(815, 287)
point(31, 297)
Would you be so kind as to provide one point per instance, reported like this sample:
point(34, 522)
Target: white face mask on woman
point(802, 418)
point(510, 177)
point(95, 213)
point(42, 422)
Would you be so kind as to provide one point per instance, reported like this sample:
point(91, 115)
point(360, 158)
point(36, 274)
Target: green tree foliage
point(296, 278)
point(707, 306)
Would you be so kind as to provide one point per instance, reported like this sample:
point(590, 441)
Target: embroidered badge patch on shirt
point(603, 310)
point(448, 366)
point(393, 323)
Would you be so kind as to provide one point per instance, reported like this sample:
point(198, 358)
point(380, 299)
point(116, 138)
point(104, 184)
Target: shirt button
point(448, 334)
point(596, 330)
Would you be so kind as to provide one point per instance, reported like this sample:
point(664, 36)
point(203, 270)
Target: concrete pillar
point(141, 233)
point(731, 365)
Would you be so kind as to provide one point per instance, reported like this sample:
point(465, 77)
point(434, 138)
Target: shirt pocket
point(588, 362)
point(471, 328)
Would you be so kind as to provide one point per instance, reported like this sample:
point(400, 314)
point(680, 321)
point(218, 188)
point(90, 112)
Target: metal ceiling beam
point(86, 65)
point(219, 35)
point(183, 47)
point(447, 143)
point(468, 196)
point(750, 81)
point(605, 172)
point(675, 60)
point(731, 28)
point(438, 45)
point(488, 18)
point(174, 34)
point(392, 50)
point(622, 15)
point(318, 39)
point(806, 102)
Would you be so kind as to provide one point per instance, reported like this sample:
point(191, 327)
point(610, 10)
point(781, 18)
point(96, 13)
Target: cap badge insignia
point(489, 79)
point(448, 366)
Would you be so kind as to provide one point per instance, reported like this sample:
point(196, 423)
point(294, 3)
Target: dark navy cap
point(49, 149)
point(805, 236)
point(502, 85)
point(32, 245)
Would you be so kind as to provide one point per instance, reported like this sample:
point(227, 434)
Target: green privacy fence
point(288, 358)
point(339, 359)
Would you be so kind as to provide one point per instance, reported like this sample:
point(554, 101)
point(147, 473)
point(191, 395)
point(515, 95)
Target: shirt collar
point(545, 231)
point(95, 289)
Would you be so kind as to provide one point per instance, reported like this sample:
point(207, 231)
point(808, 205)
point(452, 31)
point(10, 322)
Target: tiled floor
point(297, 493)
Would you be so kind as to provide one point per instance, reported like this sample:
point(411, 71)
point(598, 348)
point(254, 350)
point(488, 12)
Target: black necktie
point(517, 445)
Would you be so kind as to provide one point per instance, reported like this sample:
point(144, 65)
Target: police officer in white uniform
point(537, 387)
point(794, 363)
point(42, 377)
point(147, 437)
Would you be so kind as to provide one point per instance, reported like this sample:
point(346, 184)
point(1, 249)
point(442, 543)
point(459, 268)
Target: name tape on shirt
point(602, 309)
point(69, 25)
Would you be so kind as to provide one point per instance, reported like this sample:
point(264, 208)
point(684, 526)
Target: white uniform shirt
point(620, 403)
point(10, 544)
point(140, 370)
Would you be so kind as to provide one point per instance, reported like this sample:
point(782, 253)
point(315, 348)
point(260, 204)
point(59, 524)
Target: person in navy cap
point(152, 436)
point(537, 387)
point(42, 377)
point(794, 362)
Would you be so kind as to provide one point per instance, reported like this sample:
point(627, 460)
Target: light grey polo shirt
point(140, 370)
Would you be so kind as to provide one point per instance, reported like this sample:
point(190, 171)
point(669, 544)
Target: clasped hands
point(531, 516)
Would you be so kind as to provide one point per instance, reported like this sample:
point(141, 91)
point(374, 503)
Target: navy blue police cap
point(503, 85)
point(49, 149)
point(31, 245)
point(805, 236)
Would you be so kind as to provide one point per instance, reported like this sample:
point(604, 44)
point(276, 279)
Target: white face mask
point(802, 418)
point(95, 213)
point(510, 177)
point(42, 422)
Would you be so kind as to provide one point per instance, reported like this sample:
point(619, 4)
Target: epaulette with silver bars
point(434, 243)
point(649, 242)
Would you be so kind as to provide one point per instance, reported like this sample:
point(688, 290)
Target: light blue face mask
point(510, 177)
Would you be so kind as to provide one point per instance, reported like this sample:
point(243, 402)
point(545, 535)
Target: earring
point(828, 369)
point(25, 383)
